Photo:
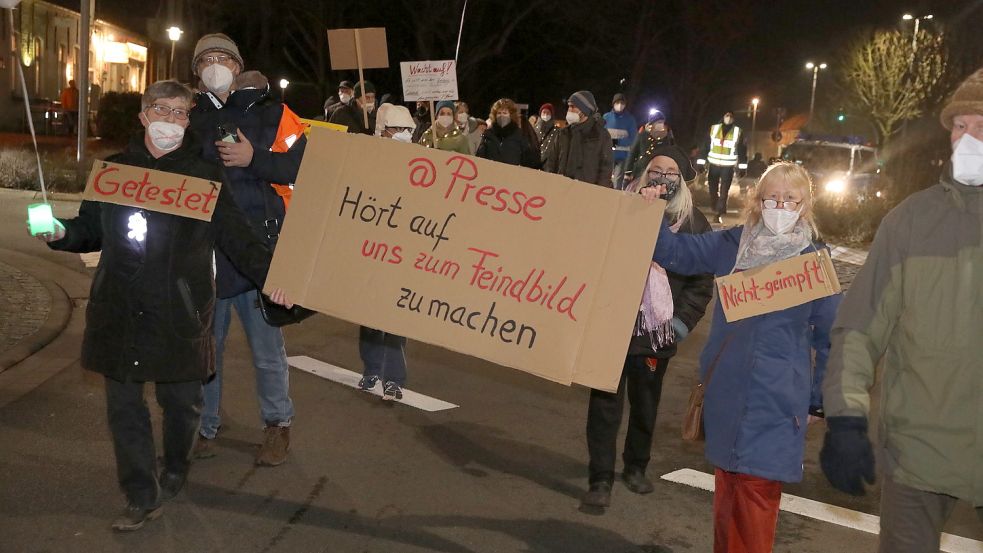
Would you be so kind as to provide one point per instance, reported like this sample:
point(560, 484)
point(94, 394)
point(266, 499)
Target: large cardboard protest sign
point(152, 190)
point(523, 268)
point(777, 286)
point(429, 80)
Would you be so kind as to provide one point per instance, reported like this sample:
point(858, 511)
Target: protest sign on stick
point(358, 49)
point(527, 269)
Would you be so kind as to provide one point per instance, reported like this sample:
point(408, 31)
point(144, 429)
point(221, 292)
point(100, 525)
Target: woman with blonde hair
point(504, 141)
point(672, 304)
point(762, 387)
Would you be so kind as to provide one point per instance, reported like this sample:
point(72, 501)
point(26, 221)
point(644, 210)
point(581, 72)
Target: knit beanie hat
point(366, 85)
point(345, 84)
point(216, 42)
point(443, 104)
point(546, 107)
point(966, 100)
point(584, 101)
point(619, 97)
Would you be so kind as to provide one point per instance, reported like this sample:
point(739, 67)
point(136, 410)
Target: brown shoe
point(204, 448)
point(276, 444)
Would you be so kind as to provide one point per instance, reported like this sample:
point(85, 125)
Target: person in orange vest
point(70, 105)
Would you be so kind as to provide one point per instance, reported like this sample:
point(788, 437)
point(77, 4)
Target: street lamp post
point(914, 38)
point(815, 77)
point(754, 122)
point(283, 90)
point(174, 33)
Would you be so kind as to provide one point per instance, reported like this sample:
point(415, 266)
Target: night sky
point(773, 42)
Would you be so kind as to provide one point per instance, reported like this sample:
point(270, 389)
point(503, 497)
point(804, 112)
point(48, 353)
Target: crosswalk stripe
point(350, 379)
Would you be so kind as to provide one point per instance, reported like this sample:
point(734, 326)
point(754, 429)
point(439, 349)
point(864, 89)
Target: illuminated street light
point(914, 38)
point(815, 77)
point(174, 33)
point(283, 89)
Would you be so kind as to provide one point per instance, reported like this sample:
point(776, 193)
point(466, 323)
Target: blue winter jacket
point(626, 122)
point(757, 401)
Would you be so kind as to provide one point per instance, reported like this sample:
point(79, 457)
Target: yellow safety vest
point(723, 149)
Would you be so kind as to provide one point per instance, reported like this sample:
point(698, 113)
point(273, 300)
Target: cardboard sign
point(308, 123)
point(523, 268)
point(152, 190)
point(429, 80)
point(371, 46)
point(778, 286)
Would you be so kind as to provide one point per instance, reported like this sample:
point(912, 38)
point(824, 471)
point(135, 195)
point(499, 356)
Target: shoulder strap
point(716, 358)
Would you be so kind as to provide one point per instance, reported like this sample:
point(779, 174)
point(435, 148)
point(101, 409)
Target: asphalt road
point(502, 472)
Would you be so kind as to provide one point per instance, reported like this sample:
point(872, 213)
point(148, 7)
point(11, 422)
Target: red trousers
point(745, 513)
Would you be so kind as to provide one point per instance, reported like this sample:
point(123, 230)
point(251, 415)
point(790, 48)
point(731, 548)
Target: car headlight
point(836, 186)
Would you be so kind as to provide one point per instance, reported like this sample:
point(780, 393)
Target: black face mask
point(421, 111)
point(672, 186)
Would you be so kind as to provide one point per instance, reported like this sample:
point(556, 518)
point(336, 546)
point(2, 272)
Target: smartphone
point(227, 133)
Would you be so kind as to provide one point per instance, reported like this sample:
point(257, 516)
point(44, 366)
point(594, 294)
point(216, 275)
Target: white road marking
point(848, 255)
point(350, 379)
point(824, 512)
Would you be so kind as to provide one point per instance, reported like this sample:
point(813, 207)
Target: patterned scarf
point(760, 246)
point(655, 312)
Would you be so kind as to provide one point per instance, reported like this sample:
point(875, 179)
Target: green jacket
point(453, 140)
point(918, 304)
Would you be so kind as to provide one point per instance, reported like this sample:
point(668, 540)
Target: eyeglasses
point(655, 175)
point(395, 130)
point(163, 111)
point(788, 205)
point(221, 58)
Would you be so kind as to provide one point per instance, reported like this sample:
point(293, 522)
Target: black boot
point(636, 482)
point(599, 495)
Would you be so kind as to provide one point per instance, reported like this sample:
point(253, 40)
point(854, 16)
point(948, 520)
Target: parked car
point(839, 169)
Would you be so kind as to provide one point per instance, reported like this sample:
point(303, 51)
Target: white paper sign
point(429, 80)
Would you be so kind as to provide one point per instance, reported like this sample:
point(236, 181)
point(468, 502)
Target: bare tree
point(892, 77)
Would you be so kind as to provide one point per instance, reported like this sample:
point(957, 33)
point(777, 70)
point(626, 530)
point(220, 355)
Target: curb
point(58, 317)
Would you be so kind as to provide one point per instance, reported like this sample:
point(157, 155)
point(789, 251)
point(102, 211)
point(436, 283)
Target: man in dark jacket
point(149, 317)
point(345, 96)
point(650, 349)
point(238, 128)
point(583, 147)
point(351, 115)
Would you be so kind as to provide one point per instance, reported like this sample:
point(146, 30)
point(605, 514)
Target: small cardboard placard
point(429, 80)
point(152, 190)
point(777, 286)
point(523, 268)
point(344, 54)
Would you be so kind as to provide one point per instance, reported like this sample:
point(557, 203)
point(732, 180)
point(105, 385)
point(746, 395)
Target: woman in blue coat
point(764, 387)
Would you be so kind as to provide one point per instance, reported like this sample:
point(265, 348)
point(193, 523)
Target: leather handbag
point(277, 315)
point(692, 430)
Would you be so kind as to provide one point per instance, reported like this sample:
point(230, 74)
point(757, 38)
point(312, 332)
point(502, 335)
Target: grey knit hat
point(216, 42)
point(584, 101)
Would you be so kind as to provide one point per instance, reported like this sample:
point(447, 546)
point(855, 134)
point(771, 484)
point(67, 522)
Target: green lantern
point(39, 219)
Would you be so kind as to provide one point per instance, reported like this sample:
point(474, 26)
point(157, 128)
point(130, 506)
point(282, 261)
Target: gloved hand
point(847, 457)
point(680, 328)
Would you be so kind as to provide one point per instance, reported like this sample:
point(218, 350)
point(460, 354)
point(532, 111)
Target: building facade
point(45, 39)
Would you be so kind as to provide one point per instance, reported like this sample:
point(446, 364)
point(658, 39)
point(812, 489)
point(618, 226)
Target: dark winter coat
point(150, 308)
point(690, 295)
point(642, 149)
point(583, 152)
point(547, 138)
point(258, 117)
point(757, 401)
point(350, 115)
point(508, 145)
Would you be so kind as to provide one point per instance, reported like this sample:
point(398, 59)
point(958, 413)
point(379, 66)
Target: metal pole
point(754, 121)
point(812, 101)
point(83, 81)
point(914, 39)
point(170, 70)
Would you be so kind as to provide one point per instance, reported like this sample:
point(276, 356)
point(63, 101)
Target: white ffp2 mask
point(779, 220)
point(165, 136)
point(967, 161)
point(218, 78)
